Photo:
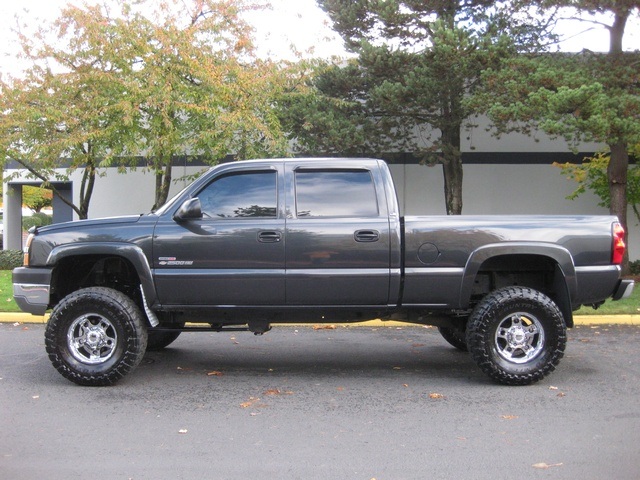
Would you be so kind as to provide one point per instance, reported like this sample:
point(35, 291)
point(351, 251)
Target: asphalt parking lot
point(346, 403)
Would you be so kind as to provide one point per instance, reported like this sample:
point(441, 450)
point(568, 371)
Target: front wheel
point(516, 335)
point(95, 336)
point(159, 339)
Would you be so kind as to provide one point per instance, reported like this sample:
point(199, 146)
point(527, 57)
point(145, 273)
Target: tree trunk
point(618, 168)
point(452, 170)
point(616, 31)
point(617, 172)
point(163, 183)
point(86, 190)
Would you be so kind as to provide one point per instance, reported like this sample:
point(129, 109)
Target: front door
point(234, 254)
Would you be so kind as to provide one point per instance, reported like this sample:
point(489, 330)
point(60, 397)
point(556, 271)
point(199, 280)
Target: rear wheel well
point(534, 271)
point(83, 271)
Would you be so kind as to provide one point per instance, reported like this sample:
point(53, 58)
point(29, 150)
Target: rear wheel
point(516, 335)
point(455, 337)
point(95, 336)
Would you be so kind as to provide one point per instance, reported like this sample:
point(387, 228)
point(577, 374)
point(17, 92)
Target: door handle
point(269, 237)
point(367, 236)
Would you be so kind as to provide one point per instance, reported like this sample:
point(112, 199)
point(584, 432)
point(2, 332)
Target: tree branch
point(47, 182)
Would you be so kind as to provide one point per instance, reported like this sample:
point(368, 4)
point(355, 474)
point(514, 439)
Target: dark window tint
point(344, 193)
point(240, 195)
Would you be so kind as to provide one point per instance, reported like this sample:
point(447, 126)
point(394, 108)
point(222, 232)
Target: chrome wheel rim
point(92, 339)
point(519, 338)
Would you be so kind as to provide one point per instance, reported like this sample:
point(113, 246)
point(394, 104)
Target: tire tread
point(135, 343)
point(480, 323)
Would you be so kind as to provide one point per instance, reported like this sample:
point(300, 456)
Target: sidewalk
point(20, 318)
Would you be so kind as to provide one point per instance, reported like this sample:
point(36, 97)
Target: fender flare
point(566, 283)
point(128, 251)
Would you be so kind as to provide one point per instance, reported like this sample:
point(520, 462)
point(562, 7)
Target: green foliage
point(408, 89)
point(592, 175)
point(117, 80)
point(585, 96)
point(36, 198)
point(10, 259)
point(38, 219)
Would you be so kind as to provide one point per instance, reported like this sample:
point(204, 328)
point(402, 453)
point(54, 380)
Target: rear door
point(232, 256)
point(338, 235)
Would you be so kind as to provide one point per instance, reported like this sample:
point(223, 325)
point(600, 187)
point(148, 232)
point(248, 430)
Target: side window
point(335, 193)
point(241, 195)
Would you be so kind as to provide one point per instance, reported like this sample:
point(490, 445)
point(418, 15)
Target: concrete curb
point(20, 318)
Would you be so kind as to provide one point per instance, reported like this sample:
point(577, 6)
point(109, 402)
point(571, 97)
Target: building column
point(12, 235)
point(61, 211)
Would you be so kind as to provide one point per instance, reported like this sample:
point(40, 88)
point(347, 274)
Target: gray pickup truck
point(259, 242)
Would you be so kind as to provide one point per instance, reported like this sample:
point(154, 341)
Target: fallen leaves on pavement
point(544, 466)
point(276, 391)
point(252, 401)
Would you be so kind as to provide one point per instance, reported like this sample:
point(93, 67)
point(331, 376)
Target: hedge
point(10, 259)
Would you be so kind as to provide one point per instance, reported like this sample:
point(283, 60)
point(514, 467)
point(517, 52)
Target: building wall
point(480, 138)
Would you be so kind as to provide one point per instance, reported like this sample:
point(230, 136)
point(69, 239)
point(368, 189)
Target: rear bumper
point(624, 289)
point(31, 288)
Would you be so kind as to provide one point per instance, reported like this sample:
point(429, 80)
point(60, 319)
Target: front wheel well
point(84, 271)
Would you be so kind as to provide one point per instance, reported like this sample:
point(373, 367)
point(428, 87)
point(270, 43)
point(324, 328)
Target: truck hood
point(82, 224)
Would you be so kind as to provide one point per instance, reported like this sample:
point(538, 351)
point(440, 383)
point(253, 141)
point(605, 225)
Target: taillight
point(618, 247)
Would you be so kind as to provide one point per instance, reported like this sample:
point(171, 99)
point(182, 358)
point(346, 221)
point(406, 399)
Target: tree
point(198, 87)
point(586, 96)
point(416, 64)
point(113, 82)
point(592, 175)
point(69, 118)
point(325, 111)
point(36, 198)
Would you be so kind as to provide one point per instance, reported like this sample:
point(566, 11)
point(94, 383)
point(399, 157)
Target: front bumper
point(31, 288)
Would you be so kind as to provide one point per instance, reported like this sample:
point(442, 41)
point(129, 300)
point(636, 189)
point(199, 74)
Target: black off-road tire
point(516, 335)
point(455, 336)
point(159, 339)
point(95, 336)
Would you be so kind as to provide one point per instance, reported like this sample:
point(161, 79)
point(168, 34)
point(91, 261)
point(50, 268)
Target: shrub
point(635, 267)
point(10, 259)
point(36, 220)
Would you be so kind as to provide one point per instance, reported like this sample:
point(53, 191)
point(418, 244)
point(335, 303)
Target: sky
point(298, 22)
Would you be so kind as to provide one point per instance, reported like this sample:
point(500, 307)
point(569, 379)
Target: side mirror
point(189, 210)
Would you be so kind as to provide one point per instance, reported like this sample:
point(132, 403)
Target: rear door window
point(335, 193)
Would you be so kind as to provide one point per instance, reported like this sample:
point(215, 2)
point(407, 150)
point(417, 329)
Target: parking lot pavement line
point(16, 317)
